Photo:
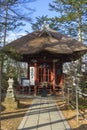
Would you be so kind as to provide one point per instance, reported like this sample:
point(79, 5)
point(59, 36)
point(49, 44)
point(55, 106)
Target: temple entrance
point(48, 72)
point(40, 73)
point(44, 73)
point(44, 79)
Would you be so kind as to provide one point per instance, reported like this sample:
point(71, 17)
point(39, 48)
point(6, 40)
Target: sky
point(41, 8)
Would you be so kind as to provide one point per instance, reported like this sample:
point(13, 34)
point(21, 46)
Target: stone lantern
point(10, 100)
point(10, 91)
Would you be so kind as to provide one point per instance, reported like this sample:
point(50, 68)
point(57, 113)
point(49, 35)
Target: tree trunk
point(80, 35)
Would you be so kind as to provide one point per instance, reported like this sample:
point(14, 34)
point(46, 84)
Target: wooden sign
point(32, 75)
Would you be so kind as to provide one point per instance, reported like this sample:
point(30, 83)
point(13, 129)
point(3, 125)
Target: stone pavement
point(44, 115)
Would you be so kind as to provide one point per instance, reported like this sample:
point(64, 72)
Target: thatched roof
point(47, 40)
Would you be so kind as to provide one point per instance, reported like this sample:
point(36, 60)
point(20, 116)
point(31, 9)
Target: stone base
point(11, 104)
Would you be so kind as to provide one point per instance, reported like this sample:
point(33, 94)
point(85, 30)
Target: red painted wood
point(35, 65)
point(48, 75)
point(53, 75)
point(44, 74)
point(28, 71)
point(41, 75)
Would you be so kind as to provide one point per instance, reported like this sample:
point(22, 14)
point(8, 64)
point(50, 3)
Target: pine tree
point(72, 15)
point(11, 18)
point(39, 22)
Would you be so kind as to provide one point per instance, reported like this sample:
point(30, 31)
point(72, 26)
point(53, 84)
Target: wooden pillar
point(35, 65)
point(35, 90)
point(44, 74)
point(28, 71)
point(54, 75)
point(61, 81)
point(48, 75)
point(35, 86)
point(41, 74)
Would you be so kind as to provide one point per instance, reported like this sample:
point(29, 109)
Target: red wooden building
point(45, 51)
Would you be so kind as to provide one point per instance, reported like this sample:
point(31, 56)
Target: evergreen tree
point(12, 17)
point(72, 15)
point(39, 22)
